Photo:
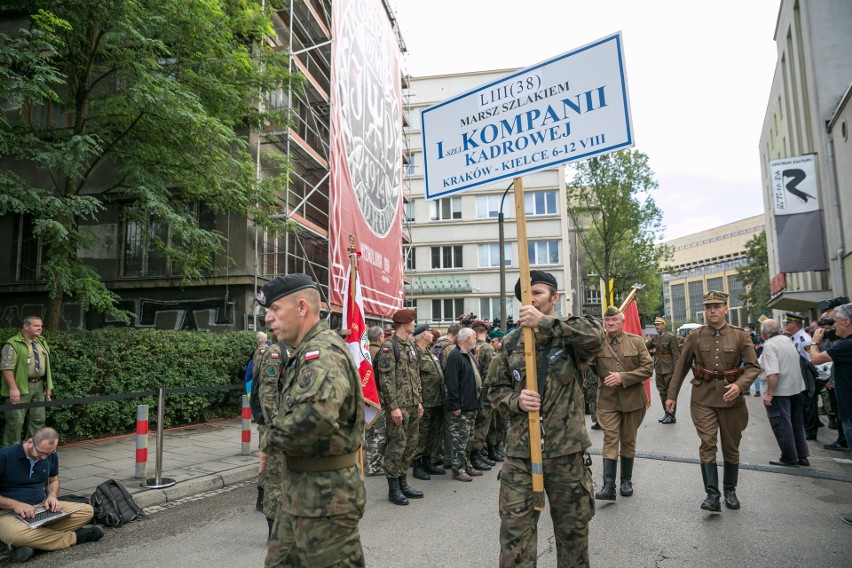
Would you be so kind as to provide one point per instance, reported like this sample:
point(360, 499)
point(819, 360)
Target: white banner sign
point(570, 107)
point(794, 185)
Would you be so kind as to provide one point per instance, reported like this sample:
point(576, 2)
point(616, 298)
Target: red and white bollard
point(141, 441)
point(246, 446)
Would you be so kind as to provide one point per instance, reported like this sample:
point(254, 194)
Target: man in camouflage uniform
point(590, 393)
point(483, 353)
point(257, 416)
point(375, 438)
point(666, 351)
point(499, 422)
point(432, 393)
point(399, 380)
point(562, 345)
point(464, 384)
point(318, 427)
point(443, 347)
point(724, 365)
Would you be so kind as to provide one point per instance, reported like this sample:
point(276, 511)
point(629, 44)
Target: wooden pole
point(529, 348)
point(352, 249)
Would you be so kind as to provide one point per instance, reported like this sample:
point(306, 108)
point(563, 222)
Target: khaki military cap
point(612, 311)
point(715, 297)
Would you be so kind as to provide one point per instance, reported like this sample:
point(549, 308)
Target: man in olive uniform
point(318, 427)
point(622, 365)
point(399, 380)
point(499, 422)
point(442, 348)
point(483, 353)
point(268, 373)
point(375, 437)
point(25, 366)
point(432, 394)
point(590, 393)
point(724, 365)
point(666, 352)
point(562, 346)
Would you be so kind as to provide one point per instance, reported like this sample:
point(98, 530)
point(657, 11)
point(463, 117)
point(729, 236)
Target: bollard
point(246, 445)
point(141, 441)
point(159, 482)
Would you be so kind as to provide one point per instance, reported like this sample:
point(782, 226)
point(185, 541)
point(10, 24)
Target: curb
point(152, 497)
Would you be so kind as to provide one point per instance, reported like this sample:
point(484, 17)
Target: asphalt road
point(788, 519)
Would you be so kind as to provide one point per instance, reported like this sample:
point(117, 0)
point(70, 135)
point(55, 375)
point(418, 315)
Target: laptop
point(43, 517)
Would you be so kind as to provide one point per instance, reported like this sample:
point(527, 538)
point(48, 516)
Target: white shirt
point(780, 357)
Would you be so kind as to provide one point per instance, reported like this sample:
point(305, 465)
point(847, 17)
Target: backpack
point(113, 505)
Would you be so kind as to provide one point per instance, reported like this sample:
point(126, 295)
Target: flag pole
point(353, 269)
point(529, 349)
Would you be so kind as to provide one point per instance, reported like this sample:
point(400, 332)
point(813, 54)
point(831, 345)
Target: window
point(696, 296)
point(445, 209)
point(408, 211)
point(716, 284)
point(447, 257)
point(409, 255)
point(409, 167)
point(678, 303)
point(489, 308)
point(543, 252)
point(593, 296)
point(447, 310)
point(27, 248)
point(489, 255)
point(736, 291)
point(488, 206)
point(540, 203)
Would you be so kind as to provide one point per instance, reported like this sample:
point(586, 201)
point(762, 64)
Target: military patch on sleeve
point(272, 371)
point(310, 355)
point(517, 375)
point(305, 380)
point(385, 349)
point(384, 362)
point(273, 355)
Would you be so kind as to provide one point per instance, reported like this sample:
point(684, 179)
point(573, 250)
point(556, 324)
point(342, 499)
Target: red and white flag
point(634, 326)
point(356, 340)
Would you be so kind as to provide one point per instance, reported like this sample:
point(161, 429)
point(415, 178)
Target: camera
point(825, 322)
point(832, 303)
point(466, 320)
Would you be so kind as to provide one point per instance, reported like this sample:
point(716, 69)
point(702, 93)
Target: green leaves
point(755, 277)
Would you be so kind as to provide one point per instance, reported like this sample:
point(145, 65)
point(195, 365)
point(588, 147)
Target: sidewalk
point(199, 458)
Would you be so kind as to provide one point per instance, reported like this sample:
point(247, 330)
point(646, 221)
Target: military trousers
point(662, 381)
point(273, 490)
point(481, 426)
point(459, 430)
point(22, 424)
point(430, 430)
point(375, 442)
point(619, 429)
point(714, 423)
point(499, 427)
point(590, 393)
point(568, 485)
point(315, 542)
point(402, 441)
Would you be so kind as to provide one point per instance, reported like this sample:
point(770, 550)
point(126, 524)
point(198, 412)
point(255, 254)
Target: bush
point(114, 361)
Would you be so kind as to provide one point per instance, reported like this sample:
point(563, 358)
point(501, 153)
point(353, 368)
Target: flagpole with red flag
point(634, 326)
point(355, 332)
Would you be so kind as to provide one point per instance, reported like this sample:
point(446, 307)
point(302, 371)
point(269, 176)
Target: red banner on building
point(366, 154)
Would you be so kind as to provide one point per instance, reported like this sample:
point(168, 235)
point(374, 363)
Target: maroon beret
point(404, 316)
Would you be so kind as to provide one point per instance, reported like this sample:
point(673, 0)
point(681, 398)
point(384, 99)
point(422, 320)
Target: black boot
point(492, 453)
point(710, 474)
point(626, 488)
point(259, 504)
point(607, 492)
point(832, 422)
point(729, 484)
point(483, 453)
point(407, 490)
point(501, 452)
point(269, 522)
point(431, 468)
point(477, 462)
point(395, 495)
point(419, 471)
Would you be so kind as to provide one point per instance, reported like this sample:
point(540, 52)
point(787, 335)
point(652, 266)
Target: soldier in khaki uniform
point(318, 427)
point(623, 364)
point(483, 353)
point(666, 350)
point(432, 393)
point(724, 365)
point(399, 380)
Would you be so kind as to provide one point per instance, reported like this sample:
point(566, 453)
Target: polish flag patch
point(273, 355)
point(311, 355)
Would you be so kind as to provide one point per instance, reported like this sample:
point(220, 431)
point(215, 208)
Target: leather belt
point(327, 463)
point(707, 375)
point(664, 356)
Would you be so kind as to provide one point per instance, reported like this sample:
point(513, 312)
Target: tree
point(618, 221)
point(755, 277)
point(149, 116)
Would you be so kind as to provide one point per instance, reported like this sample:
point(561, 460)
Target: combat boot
point(492, 453)
point(501, 452)
point(832, 422)
point(477, 462)
point(710, 474)
point(607, 492)
point(729, 484)
point(395, 495)
point(259, 503)
point(432, 468)
point(269, 523)
point(626, 488)
point(419, 471)
point(483, 453)
point(407, 490)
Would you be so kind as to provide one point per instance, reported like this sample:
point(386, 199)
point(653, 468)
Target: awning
point(439, 284)
point(801, 301)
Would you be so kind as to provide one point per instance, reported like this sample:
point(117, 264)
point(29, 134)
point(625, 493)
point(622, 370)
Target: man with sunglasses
point(29, 478)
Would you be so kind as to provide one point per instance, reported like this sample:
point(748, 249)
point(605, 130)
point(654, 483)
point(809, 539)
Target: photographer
point(827, 336)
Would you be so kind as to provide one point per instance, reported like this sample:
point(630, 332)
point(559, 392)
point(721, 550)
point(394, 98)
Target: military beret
point(715, 297)
point(495, 334)
point(536, 277)
point(660, 320)
point(612, 311)
point(479, 323)
point(284, 286)
point(420, 328)
point(795, 318)
point(404, 316)
point(436, 334)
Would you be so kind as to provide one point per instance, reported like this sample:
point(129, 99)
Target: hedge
point(113, 361)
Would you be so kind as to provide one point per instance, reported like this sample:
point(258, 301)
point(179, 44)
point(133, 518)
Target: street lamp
point(503, 261)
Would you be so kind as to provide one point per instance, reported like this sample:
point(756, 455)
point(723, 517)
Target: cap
point(436, 334)
point(536, 277)
point(284, 286)
point(612, 311)
point(482, 324)
point(495, 334)
point(420, 328)
point(660, 320)
point(795, 318)
point(404, 316)
point(715, 297)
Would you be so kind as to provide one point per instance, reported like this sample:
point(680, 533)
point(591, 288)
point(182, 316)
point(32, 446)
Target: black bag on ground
point(113, 505)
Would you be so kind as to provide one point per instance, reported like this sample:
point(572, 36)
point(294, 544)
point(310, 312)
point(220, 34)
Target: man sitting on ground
point(29, 478)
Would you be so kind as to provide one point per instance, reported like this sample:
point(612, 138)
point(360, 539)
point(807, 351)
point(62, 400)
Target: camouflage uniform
point(268, 372)
point(400, 388)
point(375, 437)
point(432, 391)
point(561, 344)
point(499, 420)
point(319, 427)
point(483, 354)
point(590, 391)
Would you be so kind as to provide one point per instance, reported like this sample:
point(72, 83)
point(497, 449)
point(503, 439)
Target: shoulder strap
point(396, 354)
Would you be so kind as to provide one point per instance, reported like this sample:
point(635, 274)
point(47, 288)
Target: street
point(786, 520)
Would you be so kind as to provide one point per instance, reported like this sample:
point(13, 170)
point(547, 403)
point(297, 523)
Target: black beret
point(284, 286)
point(420, 328)
point(404, 316)
point(536, 277)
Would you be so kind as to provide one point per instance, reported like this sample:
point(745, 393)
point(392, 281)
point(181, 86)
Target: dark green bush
point(113, 361)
